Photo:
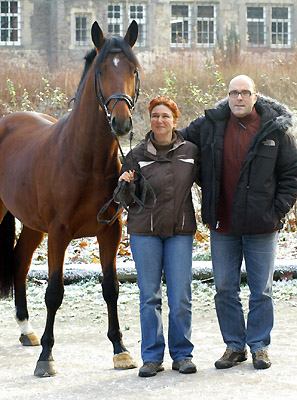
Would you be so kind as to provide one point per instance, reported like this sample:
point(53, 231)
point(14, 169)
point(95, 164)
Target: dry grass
point(194, 80)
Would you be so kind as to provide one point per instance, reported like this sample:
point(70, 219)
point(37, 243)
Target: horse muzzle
point(121, 128)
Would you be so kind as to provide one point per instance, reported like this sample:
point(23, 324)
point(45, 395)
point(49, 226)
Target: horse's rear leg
point(108, 246)
point(7, 239)
point(58, 240)
point(28, 241)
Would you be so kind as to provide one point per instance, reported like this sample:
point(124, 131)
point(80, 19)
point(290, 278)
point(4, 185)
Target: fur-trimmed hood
point(269, 109)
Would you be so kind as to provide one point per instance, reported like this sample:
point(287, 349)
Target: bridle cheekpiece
point(131, 101)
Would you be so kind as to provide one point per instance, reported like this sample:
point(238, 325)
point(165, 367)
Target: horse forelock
point(116, 44)
point(112, 45)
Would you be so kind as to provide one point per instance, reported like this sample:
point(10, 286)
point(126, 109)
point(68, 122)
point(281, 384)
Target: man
point(249, 182)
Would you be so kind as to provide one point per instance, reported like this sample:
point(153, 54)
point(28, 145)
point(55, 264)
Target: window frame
point(142, 23)
point(85, 42)
point(283, 21)
point(182, 20)
point(112, 21)
point(10, 15)
point(208, 20)
point(263, 20)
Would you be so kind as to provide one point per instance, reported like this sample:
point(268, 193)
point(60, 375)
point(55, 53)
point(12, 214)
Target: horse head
point(116, 77)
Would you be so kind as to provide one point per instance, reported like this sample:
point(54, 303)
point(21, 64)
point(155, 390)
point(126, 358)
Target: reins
point(146, 186)
point(122, 204)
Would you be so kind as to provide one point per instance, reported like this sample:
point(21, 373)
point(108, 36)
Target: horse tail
point(7, 238)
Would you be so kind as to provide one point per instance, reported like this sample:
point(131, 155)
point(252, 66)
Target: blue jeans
point(153, 256)
point(227, 253)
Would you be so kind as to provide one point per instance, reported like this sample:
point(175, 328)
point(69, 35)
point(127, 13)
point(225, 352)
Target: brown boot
point(261, 359)
point(185, 366)
point(150, 369)
point(230, 358)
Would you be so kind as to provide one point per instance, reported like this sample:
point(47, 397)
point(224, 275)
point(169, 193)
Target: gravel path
point(83, 353)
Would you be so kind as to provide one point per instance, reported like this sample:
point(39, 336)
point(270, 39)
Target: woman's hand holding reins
point(127, 176)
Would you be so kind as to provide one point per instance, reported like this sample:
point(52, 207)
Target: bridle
point(131, 101)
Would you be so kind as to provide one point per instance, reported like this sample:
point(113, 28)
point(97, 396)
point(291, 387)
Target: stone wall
point(47, 26)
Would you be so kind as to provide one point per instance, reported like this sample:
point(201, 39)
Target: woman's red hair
point(166, 101)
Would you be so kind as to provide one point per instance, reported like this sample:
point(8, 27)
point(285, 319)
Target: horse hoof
point(45, 369)
point(124, 361)
point(29, 340)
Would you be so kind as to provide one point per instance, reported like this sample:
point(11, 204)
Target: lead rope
point(122, 203)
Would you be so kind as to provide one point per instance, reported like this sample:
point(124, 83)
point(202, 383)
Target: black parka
point(267, 184)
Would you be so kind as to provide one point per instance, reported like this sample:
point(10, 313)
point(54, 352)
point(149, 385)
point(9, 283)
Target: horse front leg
point(28, 241)
point(58, 240)
point(108, 246)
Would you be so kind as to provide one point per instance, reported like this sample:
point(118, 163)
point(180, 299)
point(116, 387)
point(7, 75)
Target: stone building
point(59, 30)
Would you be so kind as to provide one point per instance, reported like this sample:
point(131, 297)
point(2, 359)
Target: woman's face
point(162, 123)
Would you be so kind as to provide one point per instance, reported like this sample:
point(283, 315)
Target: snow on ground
point(86, 250)
point(83, 353)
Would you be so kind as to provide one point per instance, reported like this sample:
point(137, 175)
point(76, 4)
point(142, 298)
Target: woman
point(161, 238)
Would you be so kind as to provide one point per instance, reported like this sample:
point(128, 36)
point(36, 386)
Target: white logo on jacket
point(144, 163)
point(269, 142)
point(187, 160)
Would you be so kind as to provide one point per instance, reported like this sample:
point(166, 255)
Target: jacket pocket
point(261, 214)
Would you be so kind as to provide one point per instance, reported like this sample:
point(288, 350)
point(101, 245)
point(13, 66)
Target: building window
point(180, 26)
point(82, 29)
point(138, 12)
point(10, 13)
point(256, 26)
point(115, 20)
point(206, 25)
point(280, 27)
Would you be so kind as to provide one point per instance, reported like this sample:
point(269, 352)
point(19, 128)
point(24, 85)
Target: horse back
point(22, 126)
point(22, 135)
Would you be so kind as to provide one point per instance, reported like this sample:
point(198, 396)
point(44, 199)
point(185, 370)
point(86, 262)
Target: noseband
point(131, 101)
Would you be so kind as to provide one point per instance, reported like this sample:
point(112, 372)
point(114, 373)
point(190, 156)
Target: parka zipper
point(238, 135)
point(247, 194)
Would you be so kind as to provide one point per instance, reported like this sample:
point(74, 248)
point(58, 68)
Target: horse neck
point(90, 135)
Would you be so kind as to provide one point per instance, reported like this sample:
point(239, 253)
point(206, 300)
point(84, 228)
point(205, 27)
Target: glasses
point(244, 94)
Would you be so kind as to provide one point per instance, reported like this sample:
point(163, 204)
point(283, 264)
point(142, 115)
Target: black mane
point(89, 58)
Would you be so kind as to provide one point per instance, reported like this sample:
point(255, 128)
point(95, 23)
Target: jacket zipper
point(238, 135)
point(152, 223)
point(247, 193)
point(183, 222)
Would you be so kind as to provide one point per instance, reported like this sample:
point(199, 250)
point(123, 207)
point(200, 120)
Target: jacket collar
point(268, 108)
point(150, 148)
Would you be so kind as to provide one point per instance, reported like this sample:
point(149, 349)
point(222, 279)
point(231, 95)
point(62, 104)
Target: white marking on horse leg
point(25, 327)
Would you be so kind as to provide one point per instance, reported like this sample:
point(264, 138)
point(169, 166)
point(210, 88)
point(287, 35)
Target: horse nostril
point(121, 128)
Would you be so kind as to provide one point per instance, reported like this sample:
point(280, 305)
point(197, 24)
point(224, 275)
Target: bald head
point(243, 78)
point(242, 95)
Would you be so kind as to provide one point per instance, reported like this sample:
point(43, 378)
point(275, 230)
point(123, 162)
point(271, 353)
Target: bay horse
point(56, 175)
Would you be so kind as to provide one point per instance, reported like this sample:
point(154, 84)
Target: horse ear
point(132, 33)
point(97, 35)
